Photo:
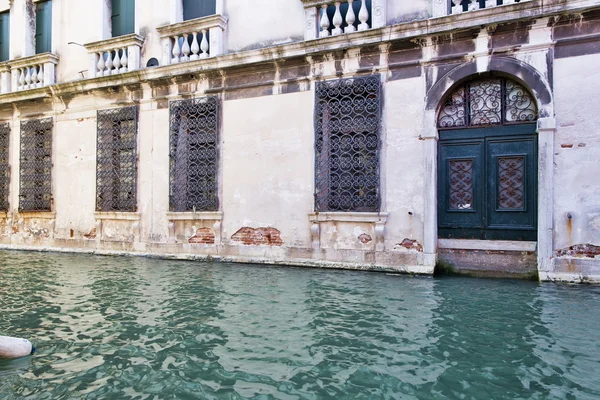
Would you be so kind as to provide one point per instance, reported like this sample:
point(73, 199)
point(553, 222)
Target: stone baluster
point(204, 45)
point(337, 20)
point(457, 7)
point(21, 78)
point(100, 65)
point(27, 77)
point(350, 18)
point(195, 47)
point(490, 3)
point(185, 49)
point(505, 2)
point(34, 77)
point(109, 63)
point(363, 16)
point(176, 50)
point(124, 60)
point(324, 22)
point(117, 63)
point(473, 5)
point(40, 76)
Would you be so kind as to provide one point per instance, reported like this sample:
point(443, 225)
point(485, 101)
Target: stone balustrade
point(442, 8)
point(192, 40)
point(28, 72)
point(115, 55)
point(332, 18)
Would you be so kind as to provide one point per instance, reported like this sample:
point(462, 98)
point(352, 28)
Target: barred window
point(35, 192)
point(347, 115)
point(4, 166)
point(116, 169)
point(194, 154)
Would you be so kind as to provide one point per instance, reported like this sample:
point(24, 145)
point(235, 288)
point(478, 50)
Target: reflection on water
point(129, 328)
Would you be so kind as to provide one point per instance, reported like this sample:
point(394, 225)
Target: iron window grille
point(347, 143)
point(487, 102)
point(4, 166)
point(193, 154)
point(35, 192)
point(116, 170)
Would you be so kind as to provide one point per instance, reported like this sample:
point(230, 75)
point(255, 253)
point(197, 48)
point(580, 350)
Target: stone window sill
point(194, 216)
point(498, 245)
point(117, 215)
point(37, 214)
point(375, 217)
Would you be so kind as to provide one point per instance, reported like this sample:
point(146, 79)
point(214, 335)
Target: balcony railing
point(115, 55)
point(29, 72)
point(193, 39)
point(325, 18)
point(442, 8)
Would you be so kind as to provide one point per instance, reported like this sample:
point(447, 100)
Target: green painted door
point(198, 8)
point(487, 183)
point(43, 26)
point(123, 17)
point(4, 36)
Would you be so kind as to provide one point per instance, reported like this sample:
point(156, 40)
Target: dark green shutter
point(4, 36)
point(43, 27)
point(123, 14)
point(198, 8)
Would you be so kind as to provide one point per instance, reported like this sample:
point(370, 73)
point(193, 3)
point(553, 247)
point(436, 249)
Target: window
point(347, 114)
point(43, 26)
point(4, 166)
point(35, 192)
point(193, 155)
point(198, 8)
point(4, 36)
point(116, 169)
point(123, 17)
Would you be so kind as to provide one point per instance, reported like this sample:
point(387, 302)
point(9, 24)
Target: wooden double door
point(487, 183)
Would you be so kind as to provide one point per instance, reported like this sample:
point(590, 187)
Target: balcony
point(115, 55)
point(442, 8)
point(192, 40)
point(324, 18)
point(28, 72)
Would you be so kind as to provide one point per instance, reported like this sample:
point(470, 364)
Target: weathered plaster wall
point(403, 161)
point(403, 11)
point(267, 177)
point(577, 152)
point(261, 23)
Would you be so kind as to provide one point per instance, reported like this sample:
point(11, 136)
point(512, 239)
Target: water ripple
point(128, 328)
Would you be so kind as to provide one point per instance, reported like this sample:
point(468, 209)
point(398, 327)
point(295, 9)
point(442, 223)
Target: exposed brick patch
point(364, 238)
point(258, 236)
point(580, 250)
point(566, 146)
point(410, 244)
point(203, 236)
point(91, 235)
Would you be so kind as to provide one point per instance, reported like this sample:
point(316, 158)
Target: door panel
point(461, 185)
point(511, 188)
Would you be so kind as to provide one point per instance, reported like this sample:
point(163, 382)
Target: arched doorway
point(487, 162)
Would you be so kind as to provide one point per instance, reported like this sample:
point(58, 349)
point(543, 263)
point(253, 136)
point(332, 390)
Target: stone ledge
point(496, 245)
point(117, 215)
point(191, 25)
point(195, 216)
point(36, 214)
point(348, 216)
point(114, 43)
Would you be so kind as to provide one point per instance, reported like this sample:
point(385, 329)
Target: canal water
point(135, 328)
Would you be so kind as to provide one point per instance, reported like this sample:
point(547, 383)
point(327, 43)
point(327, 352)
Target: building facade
point(366, 134)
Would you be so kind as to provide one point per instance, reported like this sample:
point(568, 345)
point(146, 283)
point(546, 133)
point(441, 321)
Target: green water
point(133, 328)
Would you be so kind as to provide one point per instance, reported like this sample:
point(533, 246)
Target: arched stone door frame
point(535, 82)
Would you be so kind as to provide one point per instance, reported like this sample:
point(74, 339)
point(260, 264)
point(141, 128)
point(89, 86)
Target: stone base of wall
point(573, 269)
point(489, 263)
point(384, 261)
